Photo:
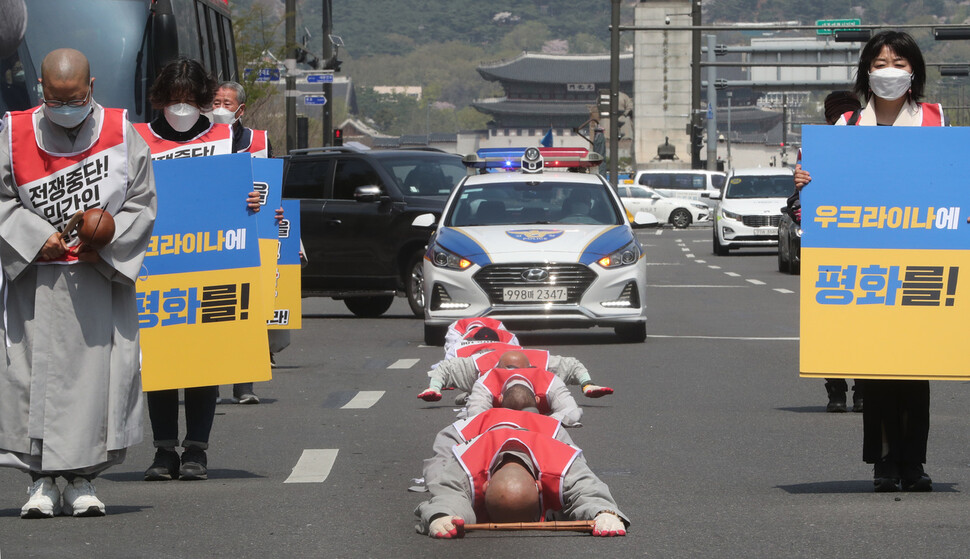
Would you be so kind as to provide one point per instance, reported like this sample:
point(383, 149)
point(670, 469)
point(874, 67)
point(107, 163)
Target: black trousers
point(897, 411)
point(200, 411)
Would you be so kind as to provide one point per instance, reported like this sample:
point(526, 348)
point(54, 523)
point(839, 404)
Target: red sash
point(499, 418)
point(538, 380)
point(258, 143)
point(216, 140)
point(932, 115)
point(549, 457)
point(57, 185)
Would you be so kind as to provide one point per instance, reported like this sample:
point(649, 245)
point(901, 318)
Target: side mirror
point(424, 221)
point(715, 195)
point(165, 40)
point(369, 193)
point(646, 219)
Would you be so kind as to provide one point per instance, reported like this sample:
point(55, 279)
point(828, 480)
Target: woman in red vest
point(896, 416)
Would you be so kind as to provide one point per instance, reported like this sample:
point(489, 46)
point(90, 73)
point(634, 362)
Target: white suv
point(692, 184)
point(750, 210)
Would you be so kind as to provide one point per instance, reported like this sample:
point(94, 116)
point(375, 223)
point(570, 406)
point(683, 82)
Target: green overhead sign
point(841, 24)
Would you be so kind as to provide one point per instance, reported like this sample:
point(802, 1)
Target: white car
point(679, 212)
point(750, 211)
point(536, 249)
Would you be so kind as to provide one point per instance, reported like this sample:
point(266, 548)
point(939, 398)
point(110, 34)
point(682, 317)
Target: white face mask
point(223, 115)
point(181, 116)
point(890, 83)
point(67, 116)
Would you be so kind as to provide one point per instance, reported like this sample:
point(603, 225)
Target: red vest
point(499, 418)
point(217, 140)
point(466, 325)
point(549, 457)
point(57, 185)
point(468, 348)
point(258, 143)
point(538, 379)
point(932, 114)
point(538, 358)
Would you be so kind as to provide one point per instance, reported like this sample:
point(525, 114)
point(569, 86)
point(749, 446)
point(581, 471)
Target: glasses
point(55, 104)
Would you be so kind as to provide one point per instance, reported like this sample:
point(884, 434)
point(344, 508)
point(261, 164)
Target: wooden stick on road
point(553, 526)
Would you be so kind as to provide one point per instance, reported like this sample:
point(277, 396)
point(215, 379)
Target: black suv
point(357, 212)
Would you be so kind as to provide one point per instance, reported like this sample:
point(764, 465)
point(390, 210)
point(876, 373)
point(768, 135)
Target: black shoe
point(857, 403)
point(165, 467)
point(836, 398)
point(193, 465)
point(914, 478)
point(885, 485)
point(885, 477)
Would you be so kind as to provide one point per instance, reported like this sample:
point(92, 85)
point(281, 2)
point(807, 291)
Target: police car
point(535, 246)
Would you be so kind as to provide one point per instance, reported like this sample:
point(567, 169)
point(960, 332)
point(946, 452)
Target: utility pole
point(328, 58)
point(711, 105)
point(695, 82)
point(615, 94)
point(290, 63)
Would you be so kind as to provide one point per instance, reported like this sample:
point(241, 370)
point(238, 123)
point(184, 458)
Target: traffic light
point(603, 103)
point(338, 137)
point(697, 136)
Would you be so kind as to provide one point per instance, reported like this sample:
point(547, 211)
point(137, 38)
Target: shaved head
point(65, 75)
point(65, 65)
point(513, 360)
point(512, 494)
point(518, 397)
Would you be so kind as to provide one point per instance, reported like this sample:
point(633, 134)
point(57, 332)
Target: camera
point(667, 20)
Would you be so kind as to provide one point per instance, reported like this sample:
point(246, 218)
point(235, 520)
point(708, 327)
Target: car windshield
point(760, 186)
point(425, 176)
point(520, 203)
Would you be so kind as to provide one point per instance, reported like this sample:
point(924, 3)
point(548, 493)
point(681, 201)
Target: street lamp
point(951, 33)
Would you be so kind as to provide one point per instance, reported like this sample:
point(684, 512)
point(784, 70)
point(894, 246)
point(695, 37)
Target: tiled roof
point(551, 68)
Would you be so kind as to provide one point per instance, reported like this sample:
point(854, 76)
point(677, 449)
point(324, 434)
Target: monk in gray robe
point(509, 475)
point(70, 380)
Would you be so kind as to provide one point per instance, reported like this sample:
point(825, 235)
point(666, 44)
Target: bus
point(126, 42)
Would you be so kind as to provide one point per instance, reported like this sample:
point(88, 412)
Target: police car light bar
point(510, 159)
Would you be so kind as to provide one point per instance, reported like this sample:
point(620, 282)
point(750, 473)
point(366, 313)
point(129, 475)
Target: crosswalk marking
point(403, 364)
point(363, 400)
point(313, 466)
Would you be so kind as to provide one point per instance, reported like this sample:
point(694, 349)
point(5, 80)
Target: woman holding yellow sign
point(896, 418)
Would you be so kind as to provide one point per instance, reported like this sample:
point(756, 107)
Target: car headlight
point(442, 258)
point(626, 256)
point(731, 215)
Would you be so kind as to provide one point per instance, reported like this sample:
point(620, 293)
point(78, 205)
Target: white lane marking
point(754, 281)
point(665, 263)
point(363, 400)
point(732, 274)
point(712, 266)
point(701, 285)
point(701, 261)
point(746, 338)
point(781, 290)
point(659, 232)
point(313, 466)
point(685, 249)
point(689, 255)
point(403, 364)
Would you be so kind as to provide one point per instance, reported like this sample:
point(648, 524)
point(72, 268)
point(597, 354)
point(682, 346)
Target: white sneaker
point(44, 500)
point(80, 500)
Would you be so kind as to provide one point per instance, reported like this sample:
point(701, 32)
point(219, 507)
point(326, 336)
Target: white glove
point(608, 524)
point(447, 527)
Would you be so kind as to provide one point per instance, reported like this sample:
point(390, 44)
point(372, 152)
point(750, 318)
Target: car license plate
point(533, 294)
point(766, 232)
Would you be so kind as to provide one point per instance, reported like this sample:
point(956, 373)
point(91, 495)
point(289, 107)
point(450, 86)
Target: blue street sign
point(326, 77)
point(265, 74)
point(314, 100)
point(710, 111)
